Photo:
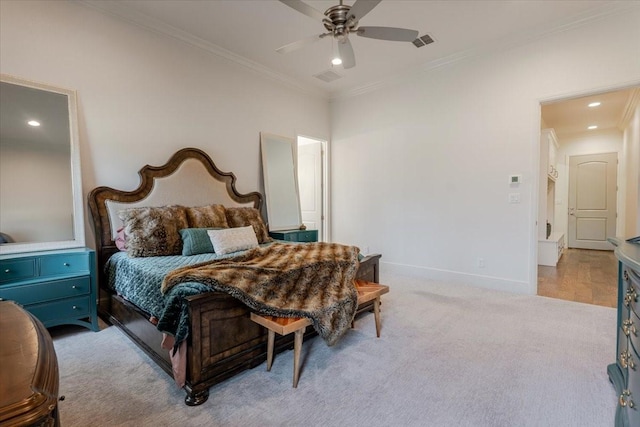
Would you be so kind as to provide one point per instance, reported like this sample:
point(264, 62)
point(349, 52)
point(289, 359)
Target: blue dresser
point(58, 287)
point(625, 372)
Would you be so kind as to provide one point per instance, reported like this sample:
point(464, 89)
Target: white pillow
point(228, 240)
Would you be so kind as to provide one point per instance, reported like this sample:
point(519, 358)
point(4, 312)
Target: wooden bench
point(367, 291)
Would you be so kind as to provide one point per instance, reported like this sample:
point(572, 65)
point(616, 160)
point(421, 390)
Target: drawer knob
point(66, 264)
point(629, 328)
point(7, 271)
point(73, 287)
point(75, 307)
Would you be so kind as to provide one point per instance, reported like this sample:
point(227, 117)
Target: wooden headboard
point(189, 178)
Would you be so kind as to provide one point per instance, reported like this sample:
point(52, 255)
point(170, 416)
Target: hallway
point(582, 275)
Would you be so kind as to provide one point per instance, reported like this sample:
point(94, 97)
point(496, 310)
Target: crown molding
point(629, 109)
point(504, 44)
point(116, 10)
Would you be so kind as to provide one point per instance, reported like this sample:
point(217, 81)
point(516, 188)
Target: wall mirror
point(280, 182)
point(40, 183)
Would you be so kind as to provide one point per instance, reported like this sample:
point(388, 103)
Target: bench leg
point(297, 347)
point(271, 336)
point(376, 313)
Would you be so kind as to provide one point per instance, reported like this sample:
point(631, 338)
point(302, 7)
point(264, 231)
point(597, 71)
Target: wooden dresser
point(28, 370)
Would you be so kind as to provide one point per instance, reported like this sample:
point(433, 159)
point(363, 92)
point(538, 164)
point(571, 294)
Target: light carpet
point(449, 355)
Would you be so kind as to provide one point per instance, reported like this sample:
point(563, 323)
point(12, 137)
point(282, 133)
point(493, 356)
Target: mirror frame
point(271, 182)
point(76, 176)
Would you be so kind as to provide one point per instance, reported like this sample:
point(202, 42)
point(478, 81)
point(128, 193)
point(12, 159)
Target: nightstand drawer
point(14, 270)
point(295, 235)
point(57, 289)
point(61, 309)
point(307, 236)
point(64, 264)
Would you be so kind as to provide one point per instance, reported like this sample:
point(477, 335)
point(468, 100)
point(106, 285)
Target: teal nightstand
point(58, 287)
point(295, 235)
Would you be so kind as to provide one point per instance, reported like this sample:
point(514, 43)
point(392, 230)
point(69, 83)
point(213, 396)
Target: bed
point(222, 340)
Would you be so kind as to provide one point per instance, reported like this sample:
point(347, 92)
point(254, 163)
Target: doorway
point(312, 184)
point(587, 127)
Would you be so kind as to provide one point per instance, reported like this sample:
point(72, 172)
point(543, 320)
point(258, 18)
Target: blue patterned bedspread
point(138, 280)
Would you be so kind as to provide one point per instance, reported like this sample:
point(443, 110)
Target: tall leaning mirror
point(280, 182)
point(40, 183)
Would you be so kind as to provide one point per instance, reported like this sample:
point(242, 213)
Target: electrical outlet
point(480, 262)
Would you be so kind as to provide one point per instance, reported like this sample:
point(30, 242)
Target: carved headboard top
point(189, 178)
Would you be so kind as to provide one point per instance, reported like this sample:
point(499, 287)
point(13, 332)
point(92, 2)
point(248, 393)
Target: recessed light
point(33, 123)
point(594, 104)
point(336, 61)
point(592, 127)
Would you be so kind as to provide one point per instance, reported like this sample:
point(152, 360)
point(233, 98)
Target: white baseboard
point(487, 282)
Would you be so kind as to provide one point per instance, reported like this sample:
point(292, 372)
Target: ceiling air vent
point(423, 41)
point(328, 76)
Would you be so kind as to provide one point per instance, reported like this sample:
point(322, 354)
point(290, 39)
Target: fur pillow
point(229, 240)
point(207, 216)
point(153, 231)
point(241, 217)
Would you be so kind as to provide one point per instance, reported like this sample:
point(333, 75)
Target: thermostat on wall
point(515, 179)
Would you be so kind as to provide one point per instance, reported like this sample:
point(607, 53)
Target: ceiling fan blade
point(300, 43)
point(304, 8)
point(388, 33)
point(346, 54)
point(361, 7)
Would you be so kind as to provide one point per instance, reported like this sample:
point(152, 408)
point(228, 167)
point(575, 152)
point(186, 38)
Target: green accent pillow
point(196, 241)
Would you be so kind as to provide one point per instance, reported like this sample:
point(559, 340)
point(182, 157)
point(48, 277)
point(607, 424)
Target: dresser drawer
point(633, 386)
point(61, 309)
point(64, 264)
point(630, 290)
point(17, 269)
point(55, 289)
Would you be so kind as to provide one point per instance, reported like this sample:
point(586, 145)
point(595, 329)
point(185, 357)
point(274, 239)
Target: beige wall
point(439, 149)
point(142, 95)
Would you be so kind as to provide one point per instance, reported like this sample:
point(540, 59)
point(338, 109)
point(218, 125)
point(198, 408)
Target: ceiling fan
point(342, 20)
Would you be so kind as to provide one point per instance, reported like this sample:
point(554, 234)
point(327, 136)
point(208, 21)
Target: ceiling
point(250, 31)
point(573, 117)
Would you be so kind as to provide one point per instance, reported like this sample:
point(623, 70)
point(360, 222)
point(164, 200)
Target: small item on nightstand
point(303, 227)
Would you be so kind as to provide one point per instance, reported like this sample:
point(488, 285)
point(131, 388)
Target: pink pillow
point(121, 239)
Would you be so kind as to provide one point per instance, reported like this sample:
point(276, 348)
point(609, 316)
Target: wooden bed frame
point(223, 340)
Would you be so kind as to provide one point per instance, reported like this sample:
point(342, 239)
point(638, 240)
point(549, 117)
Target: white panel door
point(310, 185)
point(592, 200)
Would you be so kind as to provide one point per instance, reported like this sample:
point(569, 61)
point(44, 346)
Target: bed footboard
point(225, 341)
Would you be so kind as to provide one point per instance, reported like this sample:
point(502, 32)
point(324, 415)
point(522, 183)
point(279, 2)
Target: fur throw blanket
point(313, 280)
